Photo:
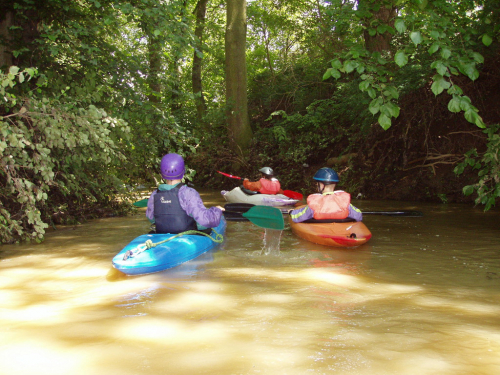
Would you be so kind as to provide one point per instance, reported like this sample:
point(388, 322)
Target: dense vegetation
point(401, 97)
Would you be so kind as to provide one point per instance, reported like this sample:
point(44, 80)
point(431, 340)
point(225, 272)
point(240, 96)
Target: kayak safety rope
point(219, 238)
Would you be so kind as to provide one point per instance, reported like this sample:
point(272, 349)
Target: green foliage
point(52, 151)
point(443, 37)
point(488, 167)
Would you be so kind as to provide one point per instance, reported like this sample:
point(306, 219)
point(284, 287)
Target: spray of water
point(271, 243)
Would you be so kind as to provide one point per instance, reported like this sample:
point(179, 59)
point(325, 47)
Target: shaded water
point(422, 297)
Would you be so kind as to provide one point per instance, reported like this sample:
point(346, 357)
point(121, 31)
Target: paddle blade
point(229, 175)
point(141, 203)
point(293, 194)
point(266, 217)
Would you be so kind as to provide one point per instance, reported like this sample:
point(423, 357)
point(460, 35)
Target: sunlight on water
point(403, 304)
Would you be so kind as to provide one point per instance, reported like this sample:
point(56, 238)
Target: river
point(421, 297)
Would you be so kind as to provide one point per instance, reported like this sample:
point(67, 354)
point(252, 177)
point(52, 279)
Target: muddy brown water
point(421, 297)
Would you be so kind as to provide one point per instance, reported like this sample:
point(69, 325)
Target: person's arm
point(355, 213)
point(191, 202)
point(150, 210)
point(253, 186)
point(301, 214)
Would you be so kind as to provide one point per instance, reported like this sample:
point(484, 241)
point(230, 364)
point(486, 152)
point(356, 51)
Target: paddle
point(141, 203)
point(240, 208)
point(243, 207)
point(395, 213)
point(262, 216)
point(288, 193)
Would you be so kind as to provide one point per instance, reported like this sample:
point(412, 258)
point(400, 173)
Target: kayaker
point(327, 203)
point(174, 207)
point(268, 184)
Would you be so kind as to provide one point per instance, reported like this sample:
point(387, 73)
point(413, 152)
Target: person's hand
point(221, 208)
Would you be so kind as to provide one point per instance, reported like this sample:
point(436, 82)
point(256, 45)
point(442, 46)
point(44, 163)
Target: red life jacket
point(334, 205)
point(269, 186)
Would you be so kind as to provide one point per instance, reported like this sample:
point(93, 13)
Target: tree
point(201, 107)
point(240, 133)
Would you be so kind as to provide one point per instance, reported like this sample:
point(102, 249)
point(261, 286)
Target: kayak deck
point(238, 196)
point(177, 250)
point(350, 234)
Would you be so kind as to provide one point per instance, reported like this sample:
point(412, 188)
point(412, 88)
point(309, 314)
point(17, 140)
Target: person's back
point(175, 207)
point(328, 203)
point(267, 184)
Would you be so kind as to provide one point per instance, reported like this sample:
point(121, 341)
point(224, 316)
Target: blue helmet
point(326, 176)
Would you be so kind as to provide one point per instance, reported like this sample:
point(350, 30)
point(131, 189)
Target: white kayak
point(237, 195)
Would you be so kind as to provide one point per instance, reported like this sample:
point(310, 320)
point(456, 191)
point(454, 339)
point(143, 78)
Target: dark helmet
point(326, 176)
point(266, 170)
point(172, 167)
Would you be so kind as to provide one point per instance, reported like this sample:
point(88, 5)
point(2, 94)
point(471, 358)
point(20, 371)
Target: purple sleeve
point(191, 202)
point(301, 214)
point(355, 213)
point(150, 211)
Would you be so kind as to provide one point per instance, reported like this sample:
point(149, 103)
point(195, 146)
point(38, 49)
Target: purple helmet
point(172, 167)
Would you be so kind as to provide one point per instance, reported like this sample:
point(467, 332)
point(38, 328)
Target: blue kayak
point(165, 250)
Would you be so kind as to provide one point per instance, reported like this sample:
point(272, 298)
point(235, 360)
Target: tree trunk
point(175, 73)
point(5, 53)
point(201, 107)
point(384, 12)
point(239, 131)
point(155, 67)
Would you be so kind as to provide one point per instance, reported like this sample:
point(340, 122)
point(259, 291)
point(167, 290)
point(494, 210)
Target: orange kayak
point(349, 234)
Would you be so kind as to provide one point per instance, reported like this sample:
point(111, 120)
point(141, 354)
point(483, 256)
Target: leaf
point(401, 59)
point(335, 73)
point(381, 29)
point(445, 53)
point(422, 4)
point(391, 92)
point(434, 48)
point(384, 121)
point(416, 37)
point(336, 64)
point(400, 26)
point(364, 85)
point(440, 67)
point(435, 34)
point(327, 74)
point(374, 106)
point(468, 190)
point(439, 84)
point(487, 40)
point(13, 70)
point(349, 66)
point(478, 57)
point(454, 105)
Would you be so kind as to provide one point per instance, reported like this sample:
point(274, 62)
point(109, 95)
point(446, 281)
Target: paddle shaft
point(243, 207)
point(230, 175)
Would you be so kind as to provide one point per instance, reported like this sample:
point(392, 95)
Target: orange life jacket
point(269, 186)
point(334, 205)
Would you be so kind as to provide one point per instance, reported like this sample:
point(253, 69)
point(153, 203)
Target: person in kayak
point(267, 184)
point(174, 207)
point(328, 203)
